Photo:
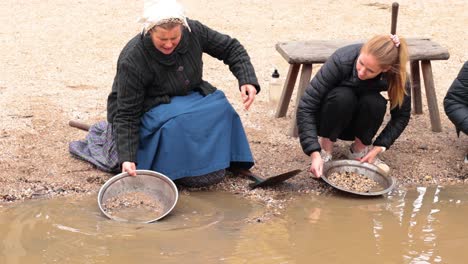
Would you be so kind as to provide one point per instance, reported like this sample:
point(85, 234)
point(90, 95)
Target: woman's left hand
point(370, 156)
point(248, 93)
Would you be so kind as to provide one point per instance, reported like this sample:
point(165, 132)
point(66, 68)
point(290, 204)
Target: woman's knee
point(373, 103)
point(341, 98)
point(202, 180)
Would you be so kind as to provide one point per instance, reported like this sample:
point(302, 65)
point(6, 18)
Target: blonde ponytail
point(394, 54)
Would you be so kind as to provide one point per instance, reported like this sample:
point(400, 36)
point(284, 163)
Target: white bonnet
point(157, 12)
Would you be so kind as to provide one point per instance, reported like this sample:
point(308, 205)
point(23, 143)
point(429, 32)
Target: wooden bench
point(306, 53)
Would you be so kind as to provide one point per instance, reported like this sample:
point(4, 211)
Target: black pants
point(345, 115)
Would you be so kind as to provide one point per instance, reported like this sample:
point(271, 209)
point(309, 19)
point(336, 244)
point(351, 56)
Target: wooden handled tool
point(261, 181)
point(394, 17)
point(79, 125)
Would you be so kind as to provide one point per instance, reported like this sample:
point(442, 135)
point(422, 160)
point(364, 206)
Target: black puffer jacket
point(456, 101)
point(338, 71)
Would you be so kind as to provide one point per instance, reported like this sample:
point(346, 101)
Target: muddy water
point(423, 225)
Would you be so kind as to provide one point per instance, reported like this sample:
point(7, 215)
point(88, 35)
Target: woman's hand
point(248, 93)
point(370, 156)
point(316, 165)
point(129, 167)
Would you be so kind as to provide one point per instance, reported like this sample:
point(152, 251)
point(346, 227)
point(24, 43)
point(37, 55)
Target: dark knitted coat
point(146, 78)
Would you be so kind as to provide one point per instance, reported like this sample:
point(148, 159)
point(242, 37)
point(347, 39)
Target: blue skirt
point(192, 136)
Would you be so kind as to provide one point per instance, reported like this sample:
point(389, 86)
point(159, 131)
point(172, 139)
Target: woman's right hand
point(129, 167)
point(316, 165)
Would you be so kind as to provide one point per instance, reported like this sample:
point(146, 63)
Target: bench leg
point(416, 87)
point(287, 90)
point(431, 95)
point(306, 73)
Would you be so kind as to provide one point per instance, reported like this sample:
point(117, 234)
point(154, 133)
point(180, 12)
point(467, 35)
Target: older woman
point(344, 101)
point(161, 114)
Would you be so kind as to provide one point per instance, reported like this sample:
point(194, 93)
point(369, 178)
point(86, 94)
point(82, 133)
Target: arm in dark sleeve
point(229, 50)
point(456, 100)
point(126, 123)
point(400, 117)
point(328, 77)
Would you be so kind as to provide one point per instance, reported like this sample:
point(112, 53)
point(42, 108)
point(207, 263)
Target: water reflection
point(421, 225)
point(408, 226)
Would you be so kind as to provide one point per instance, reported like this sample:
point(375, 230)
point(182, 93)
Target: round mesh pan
point(384, 184)
point(146, 198)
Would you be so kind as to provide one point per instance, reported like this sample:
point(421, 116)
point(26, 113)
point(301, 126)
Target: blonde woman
point(344, 101)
